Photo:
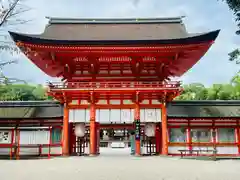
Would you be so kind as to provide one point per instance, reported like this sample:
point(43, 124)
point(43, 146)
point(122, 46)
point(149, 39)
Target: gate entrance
point(151, 145)
point(116, 136)
point(80, 146)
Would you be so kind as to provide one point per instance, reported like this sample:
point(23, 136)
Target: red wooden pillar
point(93, 140)
point(12, 143)
point(65, 131)
point(18, 142)
point(50, 141)
point(164, 130)
point(238, 136)
point(214, 135)
point(158, 138)
point(72, 139)
point(189, 138)
point(137, 141)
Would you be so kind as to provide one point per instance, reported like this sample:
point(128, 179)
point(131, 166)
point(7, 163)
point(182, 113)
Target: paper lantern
point(149, 129)
point(80, 130)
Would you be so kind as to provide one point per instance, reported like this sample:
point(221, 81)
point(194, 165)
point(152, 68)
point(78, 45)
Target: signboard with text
point(137, 129)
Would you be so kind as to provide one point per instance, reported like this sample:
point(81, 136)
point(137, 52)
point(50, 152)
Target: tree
point(197, 91)
point(7, 10)
point(234, 5)
point(22, 92)
point(9, 15)
point(10, 11)
point(194, 91)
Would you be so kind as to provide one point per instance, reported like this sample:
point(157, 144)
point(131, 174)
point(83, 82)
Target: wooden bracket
point(137, 98)
point(92, 98)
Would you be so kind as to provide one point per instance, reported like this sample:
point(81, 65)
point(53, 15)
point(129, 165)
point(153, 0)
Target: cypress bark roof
point(91, 31)
point(30, 109)
point(204, 109)
point(194, 109)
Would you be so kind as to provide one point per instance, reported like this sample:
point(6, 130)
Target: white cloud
point(214, 67)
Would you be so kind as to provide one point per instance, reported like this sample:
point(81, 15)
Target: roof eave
point(205, 103)
point(207, 37)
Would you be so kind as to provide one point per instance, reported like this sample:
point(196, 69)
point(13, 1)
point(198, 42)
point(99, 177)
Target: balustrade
point(115, 85)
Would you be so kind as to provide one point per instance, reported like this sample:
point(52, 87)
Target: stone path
point(118, 165)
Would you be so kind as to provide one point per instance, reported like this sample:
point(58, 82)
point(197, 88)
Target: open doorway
point(116, 139)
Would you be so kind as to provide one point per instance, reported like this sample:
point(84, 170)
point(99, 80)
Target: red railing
point(115, 85)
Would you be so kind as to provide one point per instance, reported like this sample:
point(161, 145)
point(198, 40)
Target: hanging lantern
point(150, 129)
point(80, 130)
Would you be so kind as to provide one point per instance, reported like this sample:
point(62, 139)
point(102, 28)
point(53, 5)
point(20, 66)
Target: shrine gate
point(123, 66)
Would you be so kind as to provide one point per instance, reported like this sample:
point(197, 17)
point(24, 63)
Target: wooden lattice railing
point(115, 85)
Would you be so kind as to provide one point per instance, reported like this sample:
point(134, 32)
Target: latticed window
point(177, 135)
point(226, 135)
point(4, 137)
point(201, 135)
point(56, 135)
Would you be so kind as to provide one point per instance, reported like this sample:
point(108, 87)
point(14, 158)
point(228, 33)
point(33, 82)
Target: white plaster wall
point(32, 138)
point(103, 116)
point(115, 115)
point(203, 148)
point(175, 149)
point(227, 150)
point(150, 115)
point(5, 151)
point(79, 115)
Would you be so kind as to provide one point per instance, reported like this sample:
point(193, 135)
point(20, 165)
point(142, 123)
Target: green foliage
point(234, 56)
point(196, 91)
point(234, 5)
point(22, 92)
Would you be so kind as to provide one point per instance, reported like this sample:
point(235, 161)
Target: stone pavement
point(116, 164)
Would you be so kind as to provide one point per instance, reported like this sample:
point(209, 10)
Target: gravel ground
point(116, 164)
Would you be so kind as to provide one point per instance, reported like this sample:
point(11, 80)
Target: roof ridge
point(59, 20)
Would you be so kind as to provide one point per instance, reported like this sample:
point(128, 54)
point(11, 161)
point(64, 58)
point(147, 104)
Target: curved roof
point(165, 38)
point(115, 31)
point(90, 40)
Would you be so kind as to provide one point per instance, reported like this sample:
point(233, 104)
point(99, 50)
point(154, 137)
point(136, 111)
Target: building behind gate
point(35, 129)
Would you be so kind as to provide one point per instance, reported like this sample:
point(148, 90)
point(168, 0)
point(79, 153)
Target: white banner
point(115, 115)
point(127, 116)
point(78, 115)
point(150, 115)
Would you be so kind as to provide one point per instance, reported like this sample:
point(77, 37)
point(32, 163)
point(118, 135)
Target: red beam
point(112, 48)
point(116, 126)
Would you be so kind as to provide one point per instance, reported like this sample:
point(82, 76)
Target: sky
point(201, 16)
